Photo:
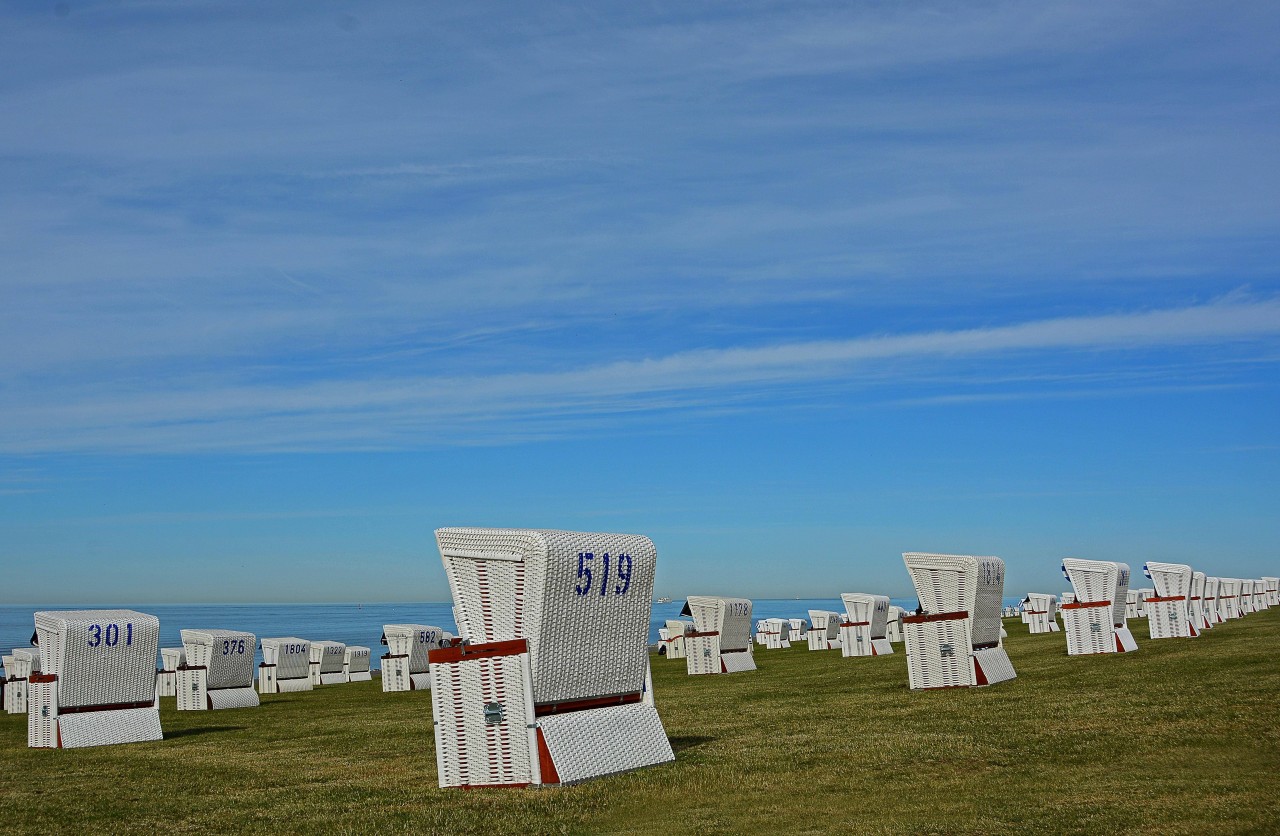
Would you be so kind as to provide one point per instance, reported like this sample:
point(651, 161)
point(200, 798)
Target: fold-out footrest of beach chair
point(992, 665)
point(881, 647)
point(47, 729)
point(285, 686)
point(333, 678)
point(737, 662)
point(601, 741)
point(420, 682)
point(1124, 640)
point(232, 698)
point(361, 676)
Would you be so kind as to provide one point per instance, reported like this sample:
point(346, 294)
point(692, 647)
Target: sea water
point(352, 624)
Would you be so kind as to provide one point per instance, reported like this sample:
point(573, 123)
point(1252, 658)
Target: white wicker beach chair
point(864, 632)
point(798, 628)
point(11, 694)
point(1196, 605)
point(675, 641)
point(893, 624)
point(776, 633)
point(760, 634)
point(1143, 595)
point(218, 672)
point(1041, 611)
point(550, 687)
point(1271, 586)
point(355, 664)
point(1244, 590)
point(1260, 600)
point(97, 684)
point(1229, 598)
point(327, 659)
point(167, 677)
point(720, 641)
point(824, 632)
point(1070, 598)
point(1212, 603)
point(1095, 621)
point(19, 667)
point(404, 666)
point(286, 666)
point(1133, 605)
point(955, 641)
point(1169, 610)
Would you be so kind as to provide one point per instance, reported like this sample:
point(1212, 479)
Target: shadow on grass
point(201, 730)
point(680, 744)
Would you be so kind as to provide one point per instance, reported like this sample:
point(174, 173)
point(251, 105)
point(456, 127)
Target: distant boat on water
point(665, 599)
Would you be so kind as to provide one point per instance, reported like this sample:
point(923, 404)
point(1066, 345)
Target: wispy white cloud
point(423, 410)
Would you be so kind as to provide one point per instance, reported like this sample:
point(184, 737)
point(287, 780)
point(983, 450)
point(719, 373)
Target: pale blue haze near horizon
point(789, 287)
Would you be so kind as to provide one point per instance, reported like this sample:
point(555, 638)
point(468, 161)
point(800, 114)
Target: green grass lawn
point(1182, 736)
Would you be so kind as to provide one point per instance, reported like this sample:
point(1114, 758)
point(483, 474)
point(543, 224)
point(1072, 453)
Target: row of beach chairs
point(1181, 603)
point(91, 679)
point(519, 698)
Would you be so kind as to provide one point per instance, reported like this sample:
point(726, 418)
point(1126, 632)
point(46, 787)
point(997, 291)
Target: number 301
point(110, 635)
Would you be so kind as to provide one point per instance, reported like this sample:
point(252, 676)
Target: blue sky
point(791, 288)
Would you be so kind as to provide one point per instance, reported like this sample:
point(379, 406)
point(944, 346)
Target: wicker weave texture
point(1089, 630)
point(605, 741)
point(329, 656)
point(893, 626)
point(1198, 615)
point(42, 721)
point(939, 654)
point(1169, 579)
point(1168, 619)
point(1212, 606)
point(357, 659)
point(101, 657)
point(994, 665)
point(961, 583)
point(674, 642)
point(868, 620)
point(1272, 587)
point(553, 588)
point(414, 641)
point(193, 688)
point(1100, 580)
point(776, 632)
point(730, 617)
point(171, 658)
point(290, 655)
point(1229, 598)
point(1041, 612)
point(106, 728)
point(166, 684)
point(228, 655)
point(703, 653)
point(737, 661)
point(484, 721)
point(233, 698)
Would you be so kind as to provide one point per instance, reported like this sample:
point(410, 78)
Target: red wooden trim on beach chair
point(1085, 605)
point(488, 650)
point(937, 616)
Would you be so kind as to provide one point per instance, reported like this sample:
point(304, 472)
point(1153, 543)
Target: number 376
point(621, 568)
